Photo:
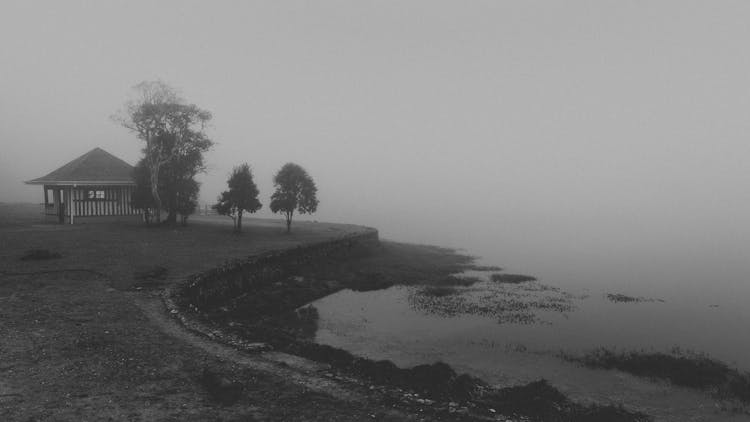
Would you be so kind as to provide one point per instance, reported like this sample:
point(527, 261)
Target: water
point(692, 304)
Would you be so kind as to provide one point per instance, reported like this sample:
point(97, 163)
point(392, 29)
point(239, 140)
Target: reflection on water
point(507, 334)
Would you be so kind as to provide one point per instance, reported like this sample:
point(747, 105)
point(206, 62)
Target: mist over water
point(691, 256)
point(692, 272)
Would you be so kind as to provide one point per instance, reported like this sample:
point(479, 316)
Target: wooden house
point(93, 185)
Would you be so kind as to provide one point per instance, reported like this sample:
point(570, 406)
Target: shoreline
point(100, 306)
point(289, 331)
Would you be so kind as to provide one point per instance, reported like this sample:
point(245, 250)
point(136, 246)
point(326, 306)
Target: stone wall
point(213, 287)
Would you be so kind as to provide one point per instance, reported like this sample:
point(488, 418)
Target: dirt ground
point(85, 336)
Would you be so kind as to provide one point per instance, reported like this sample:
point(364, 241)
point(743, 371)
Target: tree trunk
point(289, 221)
point(171, 217)
point(239, 222)
point(155, 192)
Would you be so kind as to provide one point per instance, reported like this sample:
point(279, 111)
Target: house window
point(96, 194)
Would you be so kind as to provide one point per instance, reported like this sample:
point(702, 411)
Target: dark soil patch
point(220, 388)
point(511, 278)
point(685, 369)
point(156, 272)
point(40, 254)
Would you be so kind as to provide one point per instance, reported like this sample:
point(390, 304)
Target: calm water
point(697, 304)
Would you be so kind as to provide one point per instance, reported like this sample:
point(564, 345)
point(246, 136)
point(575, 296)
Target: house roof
point(96, 167)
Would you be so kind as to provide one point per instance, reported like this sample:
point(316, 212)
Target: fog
point(577, 138)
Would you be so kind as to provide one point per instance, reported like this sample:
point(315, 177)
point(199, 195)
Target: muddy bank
point(260, 300)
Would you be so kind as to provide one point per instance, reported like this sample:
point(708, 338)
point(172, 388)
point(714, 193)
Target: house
point(93, 185)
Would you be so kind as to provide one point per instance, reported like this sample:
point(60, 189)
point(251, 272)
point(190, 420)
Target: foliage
point(241, 196)
point(177, 187)
point(295, 190)
point(173, 133)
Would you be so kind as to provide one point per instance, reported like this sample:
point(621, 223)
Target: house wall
point(116, 201)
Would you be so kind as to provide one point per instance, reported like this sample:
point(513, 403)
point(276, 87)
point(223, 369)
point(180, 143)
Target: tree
point(142, 198)
point(295, 190)
point(170, 129)
point(177, 187)
point(186, 201)
point(242, 196)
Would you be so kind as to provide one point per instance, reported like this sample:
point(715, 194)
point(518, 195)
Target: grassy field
point(85, 335)
point(79, 344)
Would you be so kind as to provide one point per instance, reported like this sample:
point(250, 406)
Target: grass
point(76, 346)
point(127, 250)
point(539, 401)
point(685, 369)
point(40, 254)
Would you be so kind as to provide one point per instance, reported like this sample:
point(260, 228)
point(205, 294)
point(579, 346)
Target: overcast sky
point(539, 115)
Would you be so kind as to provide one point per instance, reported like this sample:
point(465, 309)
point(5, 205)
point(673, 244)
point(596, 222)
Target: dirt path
point(292, 368)
point(81, 340)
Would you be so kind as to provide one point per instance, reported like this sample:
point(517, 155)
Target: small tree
point(295, 190)
point(241, 196)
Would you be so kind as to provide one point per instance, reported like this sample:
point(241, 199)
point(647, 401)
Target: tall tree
point(169, 127)
point(177, 187)
point(142, 198)
point(295, 190)
point(242, 196)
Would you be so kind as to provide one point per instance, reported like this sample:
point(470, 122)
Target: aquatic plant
point(438, 291)
point(511, 278)
point(686, 369)
point(484, 268)
point(621, 298)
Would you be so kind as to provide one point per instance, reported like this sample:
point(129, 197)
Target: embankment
point(255, 303)
point(232, 279)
